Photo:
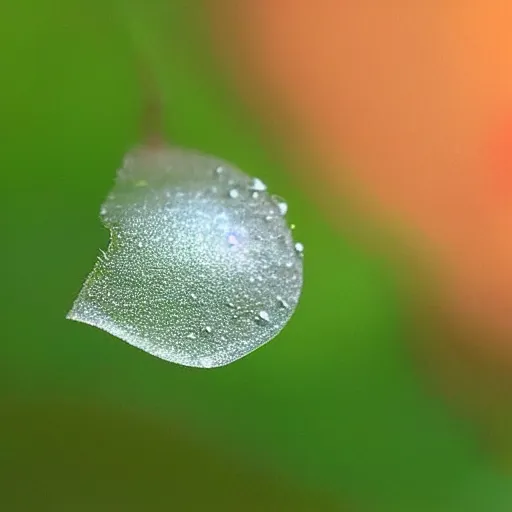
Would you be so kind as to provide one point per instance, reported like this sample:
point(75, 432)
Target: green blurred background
point(332, 415)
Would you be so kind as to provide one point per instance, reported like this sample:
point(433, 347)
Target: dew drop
point(299, 247)
point(282, 302)
point(208, 329)
point(263, 315)
point(281, 204)
point(258, 185)
point(283, 208)
point(233, 193)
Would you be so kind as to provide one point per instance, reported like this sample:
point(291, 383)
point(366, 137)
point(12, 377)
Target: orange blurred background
point(408, 104)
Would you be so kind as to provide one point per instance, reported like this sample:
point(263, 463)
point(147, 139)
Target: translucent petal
point(200, 270)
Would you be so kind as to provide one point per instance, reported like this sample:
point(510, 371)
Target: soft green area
point(331, 412)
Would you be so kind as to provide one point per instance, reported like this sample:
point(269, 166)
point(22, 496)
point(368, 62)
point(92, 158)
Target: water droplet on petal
point(299, 247)
point(281, 204)
point(283, 208)
point(257, 184)
point(233, 193)
point(263, 315)
point(282, 302)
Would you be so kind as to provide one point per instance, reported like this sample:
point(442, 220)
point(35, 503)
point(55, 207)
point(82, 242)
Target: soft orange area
point(500, 160)
point(411, 100)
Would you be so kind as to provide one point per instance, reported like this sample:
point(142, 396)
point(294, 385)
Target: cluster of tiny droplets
point(201, 268)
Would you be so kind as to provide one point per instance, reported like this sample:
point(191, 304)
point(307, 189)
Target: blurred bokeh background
point(387, 129)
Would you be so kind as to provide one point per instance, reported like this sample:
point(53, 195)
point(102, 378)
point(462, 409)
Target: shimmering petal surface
point(201, 268)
